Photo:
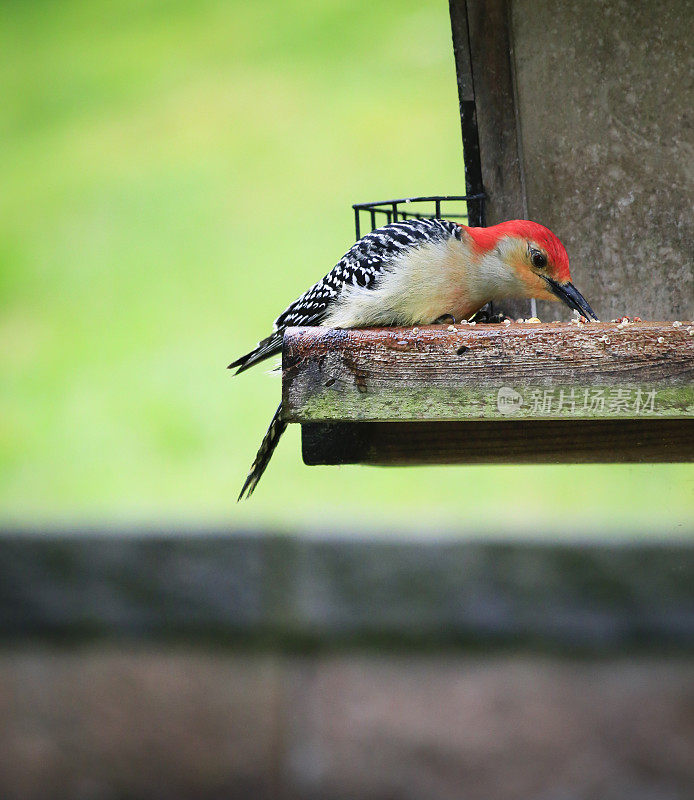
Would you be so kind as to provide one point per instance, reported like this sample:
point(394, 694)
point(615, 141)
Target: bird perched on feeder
point(416, 272)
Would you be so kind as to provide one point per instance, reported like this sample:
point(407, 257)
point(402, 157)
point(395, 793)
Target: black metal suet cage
point(468, 208)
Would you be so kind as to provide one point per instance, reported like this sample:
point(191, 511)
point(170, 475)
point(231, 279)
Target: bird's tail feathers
point(268, 347)
point(267, 448)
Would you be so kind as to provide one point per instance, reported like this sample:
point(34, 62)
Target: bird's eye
point(539, 259)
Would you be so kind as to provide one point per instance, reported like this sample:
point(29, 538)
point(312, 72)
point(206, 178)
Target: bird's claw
point(444, 319)
point(486, 316)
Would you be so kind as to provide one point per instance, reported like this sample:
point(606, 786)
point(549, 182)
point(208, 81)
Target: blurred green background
point(173, 174)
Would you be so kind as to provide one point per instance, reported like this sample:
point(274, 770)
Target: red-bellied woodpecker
point(415, 272)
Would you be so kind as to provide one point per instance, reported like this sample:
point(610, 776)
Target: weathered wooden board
point(553, 441)
point(521, 371)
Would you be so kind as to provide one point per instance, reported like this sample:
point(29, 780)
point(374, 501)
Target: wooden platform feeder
point(602, 167)
point(523, 393)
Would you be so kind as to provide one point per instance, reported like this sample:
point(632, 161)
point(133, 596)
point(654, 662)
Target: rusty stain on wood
point(394, 374)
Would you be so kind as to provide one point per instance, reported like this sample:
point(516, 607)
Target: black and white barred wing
point(362, 265)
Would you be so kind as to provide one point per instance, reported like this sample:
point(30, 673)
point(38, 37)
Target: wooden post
point(574, 132)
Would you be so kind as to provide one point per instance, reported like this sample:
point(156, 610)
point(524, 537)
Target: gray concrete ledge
point(292, 592)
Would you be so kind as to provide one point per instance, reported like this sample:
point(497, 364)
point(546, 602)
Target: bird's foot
point(486, 315)
point(445, 319)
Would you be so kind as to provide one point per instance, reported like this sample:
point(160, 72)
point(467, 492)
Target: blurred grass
point(173, 174)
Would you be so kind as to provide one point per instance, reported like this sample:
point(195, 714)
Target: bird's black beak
point(570, 295)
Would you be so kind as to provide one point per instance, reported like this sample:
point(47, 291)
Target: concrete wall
point(319, 668)
point(604, 104)
point(595, 598)
point(105, 723)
